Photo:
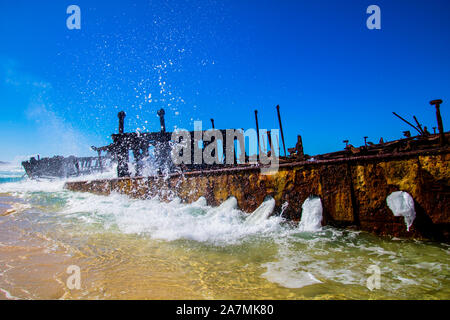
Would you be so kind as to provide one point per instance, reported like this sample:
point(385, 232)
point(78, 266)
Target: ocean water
point(11, 173)
point(148, 249)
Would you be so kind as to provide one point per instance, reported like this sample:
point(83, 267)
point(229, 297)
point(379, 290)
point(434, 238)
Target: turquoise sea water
point(14, 175)
point(10, 179)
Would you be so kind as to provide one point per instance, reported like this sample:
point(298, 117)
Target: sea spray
point(312, 210)
point(262, 213)
point(221, 225)
point(26, 185)
point(402, 205)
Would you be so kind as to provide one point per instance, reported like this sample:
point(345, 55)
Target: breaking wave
point(225, 224)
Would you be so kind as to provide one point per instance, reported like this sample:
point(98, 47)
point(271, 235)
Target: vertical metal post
point(122, 158)
point(212, 122)
point(281, 129)
point(346, 143)
point(161, 114)
point(99, 153)
point(257, 132)
point(122, 149)
point(269, 139)
point(138, 156)
point(299, 147)
point(121, 117)
point(437, 104)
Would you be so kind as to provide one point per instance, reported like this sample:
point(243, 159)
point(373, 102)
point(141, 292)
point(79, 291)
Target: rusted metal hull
point(60, 167)
point(353, 190)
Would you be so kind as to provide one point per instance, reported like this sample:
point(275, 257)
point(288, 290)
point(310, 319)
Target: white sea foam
point(402, 205)
point(311, 266)
point(262, 213)
point(8, 295)
point(27, 185)
point(287, 277)
point(290, 271)
point(224, 224)
point(311, 220)
point(11, 170)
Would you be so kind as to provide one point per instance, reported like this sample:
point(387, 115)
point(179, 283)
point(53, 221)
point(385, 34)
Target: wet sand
point(5, 205)
point(3, 209)
point(9, 205)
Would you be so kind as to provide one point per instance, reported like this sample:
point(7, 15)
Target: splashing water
point(402, 205)
point(311, 215)
point(136, 249)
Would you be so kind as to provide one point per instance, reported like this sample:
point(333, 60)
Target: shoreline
point(10, 205)
point(4, 208)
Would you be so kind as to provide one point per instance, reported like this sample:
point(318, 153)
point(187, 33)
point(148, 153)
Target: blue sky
point(61, 89)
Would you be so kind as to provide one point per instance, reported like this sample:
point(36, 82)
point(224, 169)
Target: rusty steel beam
point(281, 129)
point(407, 122)
point(161, 114)
point(257, 132)
point(437, 104)
point(419, 126)
point(121, 115)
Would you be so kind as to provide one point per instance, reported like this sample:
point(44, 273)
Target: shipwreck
point(353, 184)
